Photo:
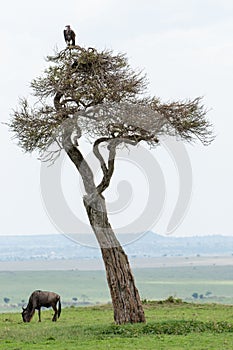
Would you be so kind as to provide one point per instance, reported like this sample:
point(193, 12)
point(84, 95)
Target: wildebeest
point(41, 298)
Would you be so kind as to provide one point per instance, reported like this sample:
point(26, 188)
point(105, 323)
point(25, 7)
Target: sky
point(186, 50)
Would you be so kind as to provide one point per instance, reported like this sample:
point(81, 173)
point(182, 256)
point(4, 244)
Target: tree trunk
point(125, 297)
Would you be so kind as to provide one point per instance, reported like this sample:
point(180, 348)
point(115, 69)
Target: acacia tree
point(86, 93)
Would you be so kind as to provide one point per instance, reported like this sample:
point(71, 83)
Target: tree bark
point(125, 297)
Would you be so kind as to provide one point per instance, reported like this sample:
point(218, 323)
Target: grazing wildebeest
point(41, 298)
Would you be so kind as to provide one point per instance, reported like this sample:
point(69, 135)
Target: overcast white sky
point(186, 49)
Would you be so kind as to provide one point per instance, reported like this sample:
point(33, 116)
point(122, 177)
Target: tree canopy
point(97, 94)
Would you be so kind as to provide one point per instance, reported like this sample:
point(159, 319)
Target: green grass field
point(91, 286)
point(200, 325)
point(169, 326)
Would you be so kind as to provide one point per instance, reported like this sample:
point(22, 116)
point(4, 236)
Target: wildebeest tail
point(59, 308)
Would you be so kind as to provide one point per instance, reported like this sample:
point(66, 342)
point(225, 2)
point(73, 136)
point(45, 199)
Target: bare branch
point(99, 155)
point(108, 171)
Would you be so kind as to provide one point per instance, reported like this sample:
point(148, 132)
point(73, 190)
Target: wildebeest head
point(26, 315)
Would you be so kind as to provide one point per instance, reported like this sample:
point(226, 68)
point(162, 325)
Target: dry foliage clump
point(98, 95)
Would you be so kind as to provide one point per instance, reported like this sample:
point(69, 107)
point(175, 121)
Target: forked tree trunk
point(125, 297)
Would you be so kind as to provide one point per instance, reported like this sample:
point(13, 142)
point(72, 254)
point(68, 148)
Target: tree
point(195, 295)
point(86, 93)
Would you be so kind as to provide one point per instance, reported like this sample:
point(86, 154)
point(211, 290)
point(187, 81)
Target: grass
point(170, 325)
point(91, 286)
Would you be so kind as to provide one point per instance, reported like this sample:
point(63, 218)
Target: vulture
point(69, 36)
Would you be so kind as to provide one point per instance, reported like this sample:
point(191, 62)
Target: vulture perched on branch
point(69, 36)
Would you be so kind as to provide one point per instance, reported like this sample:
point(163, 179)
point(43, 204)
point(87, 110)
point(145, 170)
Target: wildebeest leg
point(55, 313)
point(39, 314)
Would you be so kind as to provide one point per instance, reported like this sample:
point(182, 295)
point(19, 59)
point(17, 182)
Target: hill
point(60, 247)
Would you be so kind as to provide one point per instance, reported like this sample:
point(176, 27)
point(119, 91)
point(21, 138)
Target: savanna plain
point(186, 308)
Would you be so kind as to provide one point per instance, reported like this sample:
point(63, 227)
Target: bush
point(195, 295)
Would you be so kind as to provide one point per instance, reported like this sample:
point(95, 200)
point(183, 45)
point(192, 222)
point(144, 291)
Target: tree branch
point(77, 158)
point(56, 101)
point(99, 155)
point(109, 168)
point(87, 176)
